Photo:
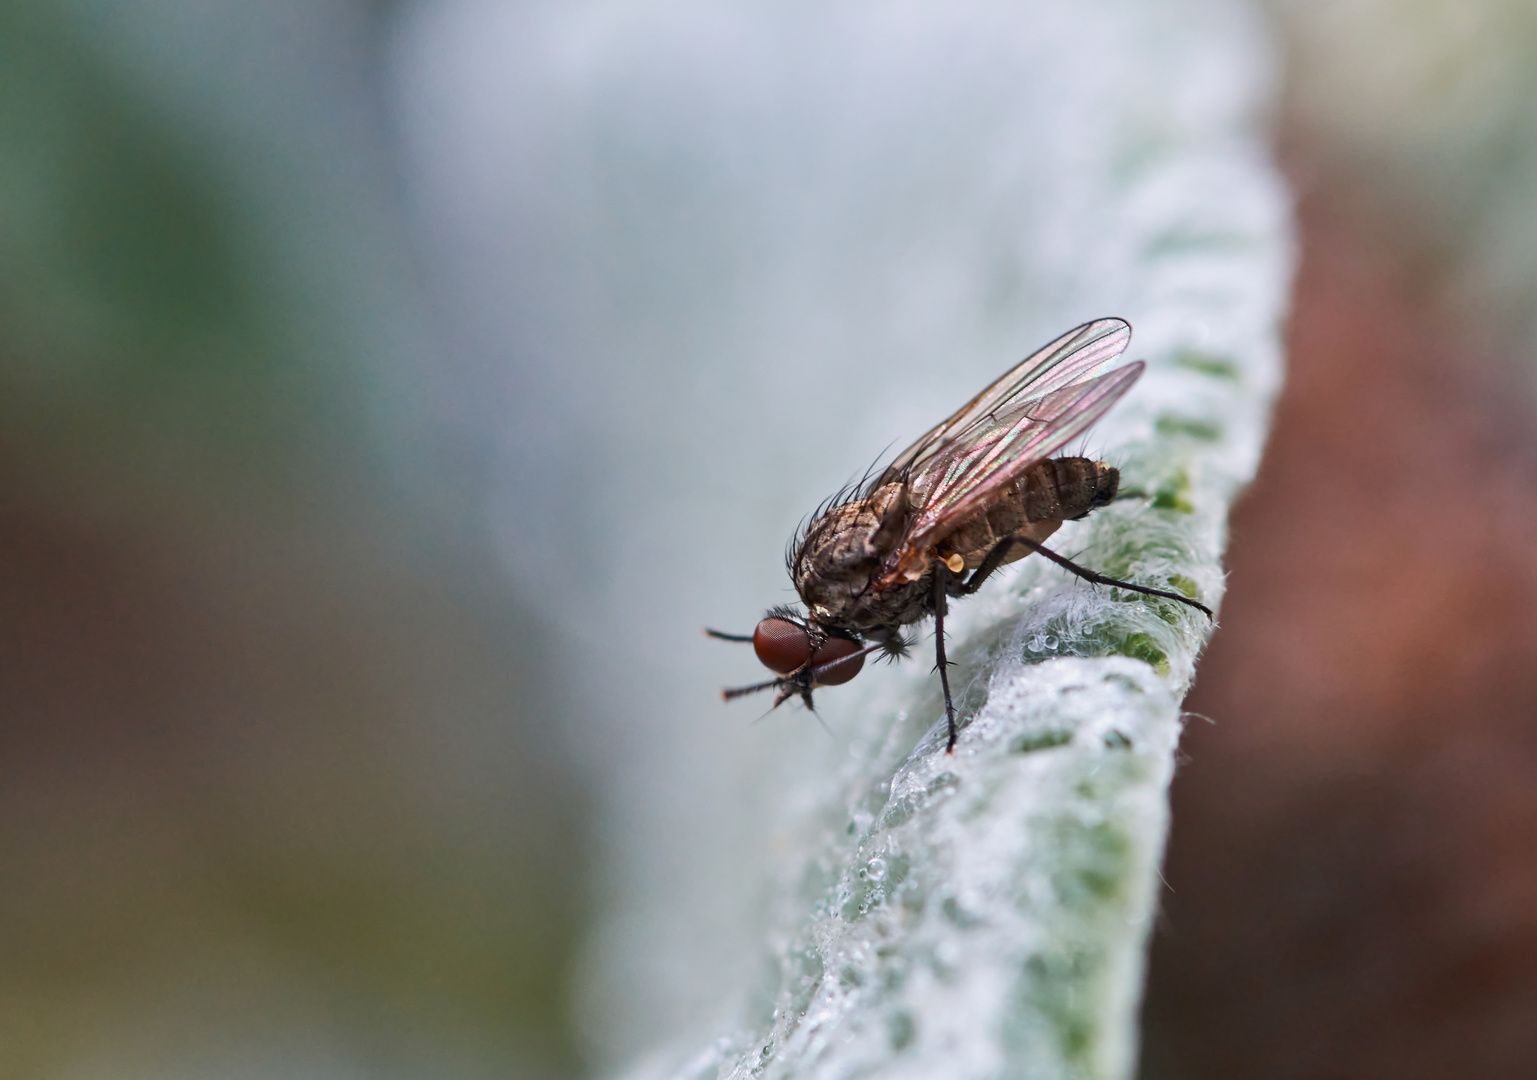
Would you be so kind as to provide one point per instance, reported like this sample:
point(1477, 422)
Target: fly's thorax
point(842, 552)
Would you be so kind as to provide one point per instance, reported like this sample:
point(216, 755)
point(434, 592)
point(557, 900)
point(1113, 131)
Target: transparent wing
point(1077, 355)
point(968, 475)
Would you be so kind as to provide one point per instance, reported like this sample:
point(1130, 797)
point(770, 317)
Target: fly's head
point(803, 654)
point(843, 550)
point(806, 652)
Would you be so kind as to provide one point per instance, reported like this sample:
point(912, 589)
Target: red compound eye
point(834, 649)
point(781, 645)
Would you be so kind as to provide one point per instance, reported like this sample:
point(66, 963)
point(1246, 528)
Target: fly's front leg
point(941, 573)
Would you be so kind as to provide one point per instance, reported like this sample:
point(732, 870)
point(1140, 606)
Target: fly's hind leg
point(996, 556)
point(1001, 551)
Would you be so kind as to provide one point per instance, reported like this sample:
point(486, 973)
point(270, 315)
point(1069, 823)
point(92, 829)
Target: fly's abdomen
point(1056, 490)
point(1080, 483)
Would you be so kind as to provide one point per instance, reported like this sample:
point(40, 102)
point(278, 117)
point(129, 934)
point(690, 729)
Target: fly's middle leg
point(990, 563)
point(941, 574)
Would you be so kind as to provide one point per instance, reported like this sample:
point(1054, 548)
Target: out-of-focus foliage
point(1435, 102)
point(282, 791)
point(144, 340)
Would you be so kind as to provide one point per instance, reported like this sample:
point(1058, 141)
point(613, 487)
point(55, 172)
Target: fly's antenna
point(778, 611)
point(789, 682)
point(731, 693)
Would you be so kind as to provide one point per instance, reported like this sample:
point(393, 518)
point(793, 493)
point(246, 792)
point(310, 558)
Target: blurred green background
point(280, 791)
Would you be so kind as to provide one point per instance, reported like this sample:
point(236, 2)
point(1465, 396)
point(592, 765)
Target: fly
point(978, 491)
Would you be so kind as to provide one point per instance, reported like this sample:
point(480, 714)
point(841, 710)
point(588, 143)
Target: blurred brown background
point(1352, 875)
